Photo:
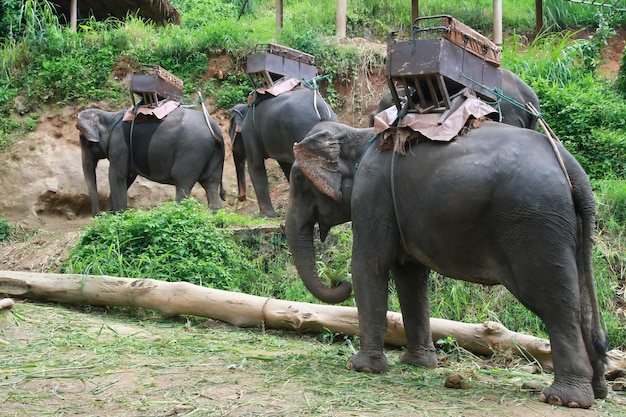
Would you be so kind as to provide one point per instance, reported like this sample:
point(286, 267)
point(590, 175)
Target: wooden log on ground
point(243, 310)
point(6, 317)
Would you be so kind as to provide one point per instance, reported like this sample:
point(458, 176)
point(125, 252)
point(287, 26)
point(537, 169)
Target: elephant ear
point(87, 123)
point(318, 157)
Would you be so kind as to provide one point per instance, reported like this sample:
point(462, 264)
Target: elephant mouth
point(324, 229)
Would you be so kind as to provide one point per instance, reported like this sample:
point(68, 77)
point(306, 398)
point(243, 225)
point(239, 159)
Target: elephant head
point(94, 146)
point(320, 190)
point(236, 116)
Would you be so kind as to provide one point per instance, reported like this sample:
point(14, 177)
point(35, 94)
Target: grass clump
point(6, 230)
point(610, 257)
point(173, 242)
point(185, 242)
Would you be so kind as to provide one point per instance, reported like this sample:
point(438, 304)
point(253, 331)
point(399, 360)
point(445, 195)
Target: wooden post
point(73, 15)
point(497, 22)
point(341, 18)
point(415, 10)
point(538, 16)
point(279, 18)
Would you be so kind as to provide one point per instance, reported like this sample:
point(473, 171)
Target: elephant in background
point(179, 150)
point(512, 86)
point(268, 129)
point(492, 207)
point(235, 117)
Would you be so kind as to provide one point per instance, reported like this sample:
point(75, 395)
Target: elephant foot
point(375, 363)
point(424, 357)
point(571, 395)
point(267, 213)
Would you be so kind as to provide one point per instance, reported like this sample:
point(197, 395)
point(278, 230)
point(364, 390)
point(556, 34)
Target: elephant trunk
point(237, 115)
point(239, 158)
point(89, 171)
point(300, 240)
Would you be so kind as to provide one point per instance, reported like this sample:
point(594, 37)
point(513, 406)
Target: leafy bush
point(173, 242)
point(585, 112)
point(185, 242)
point(589, 118)
point(234, 90)
point(6, 230)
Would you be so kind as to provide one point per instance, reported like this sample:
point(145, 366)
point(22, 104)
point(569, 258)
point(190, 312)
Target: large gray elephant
point(512, 110)
point(268, 129)
point(491, 207)
point(180, 150)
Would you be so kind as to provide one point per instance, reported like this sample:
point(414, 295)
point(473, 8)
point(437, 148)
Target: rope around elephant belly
point(206, 116)
point(313, 86)
point(394, 196)
point(552, 138)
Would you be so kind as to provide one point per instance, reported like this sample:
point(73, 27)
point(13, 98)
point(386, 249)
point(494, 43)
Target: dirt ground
point(42, 189)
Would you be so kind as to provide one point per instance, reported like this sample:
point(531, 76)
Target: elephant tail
point(222, 192)
point(584, 202)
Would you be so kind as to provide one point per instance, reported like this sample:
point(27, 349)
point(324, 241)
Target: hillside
point(42, 186)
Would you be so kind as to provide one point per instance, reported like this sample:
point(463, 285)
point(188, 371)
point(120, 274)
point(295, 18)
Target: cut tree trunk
point(243, 310)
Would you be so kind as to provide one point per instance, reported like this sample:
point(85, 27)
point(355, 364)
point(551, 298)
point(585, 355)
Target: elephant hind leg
point(550, 290)
point(213, 192)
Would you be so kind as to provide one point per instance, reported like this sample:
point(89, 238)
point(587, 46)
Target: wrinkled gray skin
point(512, 86)
point(180, 150)
point(491, 207)
point(269, 130)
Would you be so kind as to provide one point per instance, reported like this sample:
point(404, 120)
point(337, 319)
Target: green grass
point(96, 362)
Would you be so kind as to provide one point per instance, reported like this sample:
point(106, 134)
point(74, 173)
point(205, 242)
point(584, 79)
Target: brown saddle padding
point(148, 113)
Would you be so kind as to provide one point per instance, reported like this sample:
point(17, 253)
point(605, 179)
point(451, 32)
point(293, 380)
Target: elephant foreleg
point(119, 180)
point(371, 262)
point(412, 287)
point(239, 158)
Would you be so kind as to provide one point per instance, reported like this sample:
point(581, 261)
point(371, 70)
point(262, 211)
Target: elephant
point(492, 206)
point(268, 129)
point(179, 150)
point(513, 87)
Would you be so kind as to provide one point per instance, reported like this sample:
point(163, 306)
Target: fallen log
point(243, 310)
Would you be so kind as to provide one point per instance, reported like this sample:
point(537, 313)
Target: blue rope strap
point(501, 96)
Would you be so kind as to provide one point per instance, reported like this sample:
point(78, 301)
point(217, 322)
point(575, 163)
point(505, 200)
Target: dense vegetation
point(44, 63)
